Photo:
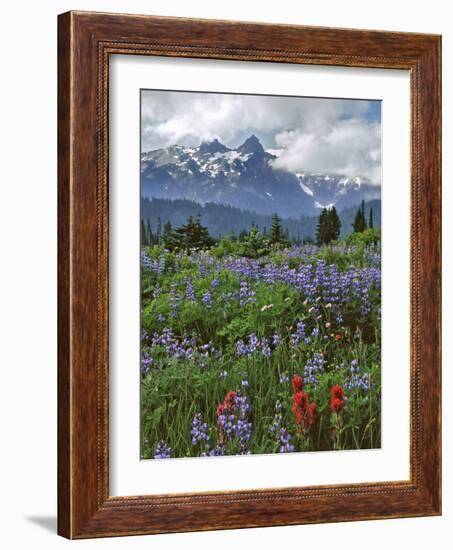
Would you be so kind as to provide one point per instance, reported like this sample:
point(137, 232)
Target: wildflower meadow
point(256, 345)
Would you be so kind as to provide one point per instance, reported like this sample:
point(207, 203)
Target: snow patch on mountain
point(246, 177)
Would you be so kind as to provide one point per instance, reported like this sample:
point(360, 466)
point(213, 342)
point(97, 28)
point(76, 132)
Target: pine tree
point(149, 234)
point(190, 235)
point(243, 235)
point(168, 233)
point(334, 225)
point(276, 232)
point(254, 246)
point(359, 224)
point(321, 228)
point(370, 220)
point(329, 226)
point(159, 231)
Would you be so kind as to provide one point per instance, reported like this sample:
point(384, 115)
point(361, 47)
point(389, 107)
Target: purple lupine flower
point(241, 348)
point(253, 343)
point(145, 260)
point(285, 441)
point(313, 368)
point(200, 430)
point(157, 291)
point(265, 349)
point(207, 299)
point(190, 292)
point(233, 422)
point(218, 450)
point(299, 335)
point(162, 450)
point(356, 381)
point(280, 433)
point(147, 362)
point(175, 300)
point(246, 295)
point(277, 340)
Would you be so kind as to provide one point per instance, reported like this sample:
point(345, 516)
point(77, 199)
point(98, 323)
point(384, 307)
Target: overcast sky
point(308, 134)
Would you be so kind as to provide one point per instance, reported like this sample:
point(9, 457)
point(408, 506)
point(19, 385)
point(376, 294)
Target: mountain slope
point(246, 178)
point(338, 190)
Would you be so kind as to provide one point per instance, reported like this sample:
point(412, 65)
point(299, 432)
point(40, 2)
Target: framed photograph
point(249, 275)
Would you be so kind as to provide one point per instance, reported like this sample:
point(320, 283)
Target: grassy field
point(274, 353)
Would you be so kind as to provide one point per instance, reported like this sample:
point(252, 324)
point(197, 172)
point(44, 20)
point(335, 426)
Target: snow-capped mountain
point(338, 190)
point(246, 178)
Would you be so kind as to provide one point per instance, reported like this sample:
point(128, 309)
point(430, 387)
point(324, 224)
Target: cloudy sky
point(341, 136)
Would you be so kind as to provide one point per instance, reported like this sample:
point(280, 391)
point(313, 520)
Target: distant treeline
point(223, 219)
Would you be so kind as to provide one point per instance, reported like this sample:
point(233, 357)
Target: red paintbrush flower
point(300, 399)
point(297, 382)
point(220, 409)
point(298, 414)
point(230, 400)
point(337, 392)
point(338, 337)
point(337, 398)
point(311, 414)
point(336, 405)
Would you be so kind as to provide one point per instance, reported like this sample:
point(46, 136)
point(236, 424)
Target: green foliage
point(174, 390)
point(365, 238)
point(254, 245)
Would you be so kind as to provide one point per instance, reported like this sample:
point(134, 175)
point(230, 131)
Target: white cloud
point(350, 147)
point(310, 134)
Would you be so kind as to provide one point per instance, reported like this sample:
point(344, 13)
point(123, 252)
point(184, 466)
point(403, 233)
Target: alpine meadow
point(260, 274)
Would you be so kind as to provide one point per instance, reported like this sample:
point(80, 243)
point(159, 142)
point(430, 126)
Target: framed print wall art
point(249, 275)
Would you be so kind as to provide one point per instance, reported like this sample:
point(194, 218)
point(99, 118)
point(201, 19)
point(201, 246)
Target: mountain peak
point(251, 145)
point(213, 146)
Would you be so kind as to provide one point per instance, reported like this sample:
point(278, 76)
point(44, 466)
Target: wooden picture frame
point(85, 41)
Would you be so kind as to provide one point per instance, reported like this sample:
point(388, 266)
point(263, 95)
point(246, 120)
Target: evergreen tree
point(159, 231)
point(276, 233)
point(359, 224)
point(334, 225)
point(149, 234)
point(190, 235)
point(321, 228)
point(168, 233)
point(242, 235)
point(370, 220)
point(329, 226)
point(254, 245)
